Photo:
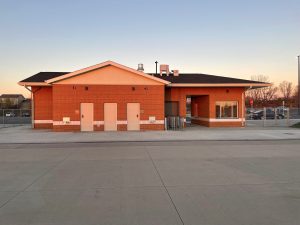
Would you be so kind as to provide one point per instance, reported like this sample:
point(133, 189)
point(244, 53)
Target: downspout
point(243, 106)
point(32, 104)
point(32, 110)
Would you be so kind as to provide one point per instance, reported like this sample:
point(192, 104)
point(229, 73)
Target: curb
point(149, 141)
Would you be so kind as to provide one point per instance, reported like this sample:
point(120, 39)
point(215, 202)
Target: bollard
point(166, 123)
point(265, 117)
point(288, 117)
point(275, 116)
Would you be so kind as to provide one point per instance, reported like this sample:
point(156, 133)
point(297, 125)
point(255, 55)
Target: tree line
point(272, 96)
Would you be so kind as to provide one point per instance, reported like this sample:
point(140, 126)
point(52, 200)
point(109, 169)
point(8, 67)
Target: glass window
point(226, 110)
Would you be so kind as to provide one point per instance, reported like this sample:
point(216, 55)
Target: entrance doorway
point(87, 117)
point(199, 110)
point(133, 116)
point(110, 117)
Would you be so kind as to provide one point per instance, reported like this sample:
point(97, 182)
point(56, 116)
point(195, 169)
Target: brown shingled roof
point(42, 76)
point(184, 78)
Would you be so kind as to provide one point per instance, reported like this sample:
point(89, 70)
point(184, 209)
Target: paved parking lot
point(233, 182)
point(25, 134)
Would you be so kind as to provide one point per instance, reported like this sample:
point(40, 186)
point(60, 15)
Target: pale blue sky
point(232, 38)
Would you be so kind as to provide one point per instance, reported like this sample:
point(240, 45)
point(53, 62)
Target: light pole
point(298, 84)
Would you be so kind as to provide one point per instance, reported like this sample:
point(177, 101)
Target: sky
point(222, 37)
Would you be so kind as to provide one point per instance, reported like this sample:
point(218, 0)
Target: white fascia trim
point(107, 63)
point(33, 84)
point(219, 85)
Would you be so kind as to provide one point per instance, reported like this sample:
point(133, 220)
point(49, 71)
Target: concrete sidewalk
point(24, 134)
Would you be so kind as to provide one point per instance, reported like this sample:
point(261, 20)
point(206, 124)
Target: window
point(226, 110)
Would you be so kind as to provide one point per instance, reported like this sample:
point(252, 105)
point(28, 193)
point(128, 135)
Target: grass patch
point(297, 125)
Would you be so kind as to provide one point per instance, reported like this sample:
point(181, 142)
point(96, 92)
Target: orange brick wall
point(67, 99)
point(200, 104)
point(58, 101)
point(42, 106)
point(214, 94)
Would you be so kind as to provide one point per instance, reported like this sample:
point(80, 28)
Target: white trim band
point(152, 122)
point(58, 123)
point(43, 121)
point(122, 122)
point(218, 120)
point(98, 123)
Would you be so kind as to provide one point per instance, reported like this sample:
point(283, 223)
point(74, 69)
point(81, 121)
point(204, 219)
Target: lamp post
point(298, 84)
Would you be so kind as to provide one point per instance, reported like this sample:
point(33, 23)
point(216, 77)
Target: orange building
point(109, 96)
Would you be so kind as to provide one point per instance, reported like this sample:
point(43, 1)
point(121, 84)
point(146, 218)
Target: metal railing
point(11, 117)
point(276, 116)
point(174, 123)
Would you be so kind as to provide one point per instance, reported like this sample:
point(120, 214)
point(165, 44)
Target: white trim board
point(42, 121)
point(219, 85)
point(218, 120)
point(101, 122)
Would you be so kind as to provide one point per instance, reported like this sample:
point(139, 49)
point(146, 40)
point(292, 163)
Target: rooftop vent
point(140, 67)
point(164, 68)
point(175, 73)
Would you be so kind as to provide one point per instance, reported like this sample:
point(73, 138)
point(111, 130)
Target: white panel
point(133, 116)
point(110, 116)
point(87, 116)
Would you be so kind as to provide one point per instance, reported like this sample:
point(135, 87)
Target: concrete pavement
point(24, 134)
point(153, 183)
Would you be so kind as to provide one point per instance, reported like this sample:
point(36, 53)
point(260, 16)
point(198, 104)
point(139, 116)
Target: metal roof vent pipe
point(140, 67)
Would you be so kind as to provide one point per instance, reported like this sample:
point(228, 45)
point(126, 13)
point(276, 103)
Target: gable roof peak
point(103, 64)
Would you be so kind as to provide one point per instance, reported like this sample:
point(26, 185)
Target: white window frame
point(220, 112)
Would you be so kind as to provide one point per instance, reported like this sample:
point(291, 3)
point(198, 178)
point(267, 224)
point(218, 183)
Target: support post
point(265, 116)
point(32, 110)
point(275, 116)
point(298, 84)
point(288, 117)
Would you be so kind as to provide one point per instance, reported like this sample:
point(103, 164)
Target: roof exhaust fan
point(140, 67)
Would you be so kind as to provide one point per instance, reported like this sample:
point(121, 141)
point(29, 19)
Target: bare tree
point(286, 89)
point(262, 94)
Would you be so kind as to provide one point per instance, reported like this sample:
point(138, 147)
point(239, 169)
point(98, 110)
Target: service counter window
point(226, 110)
